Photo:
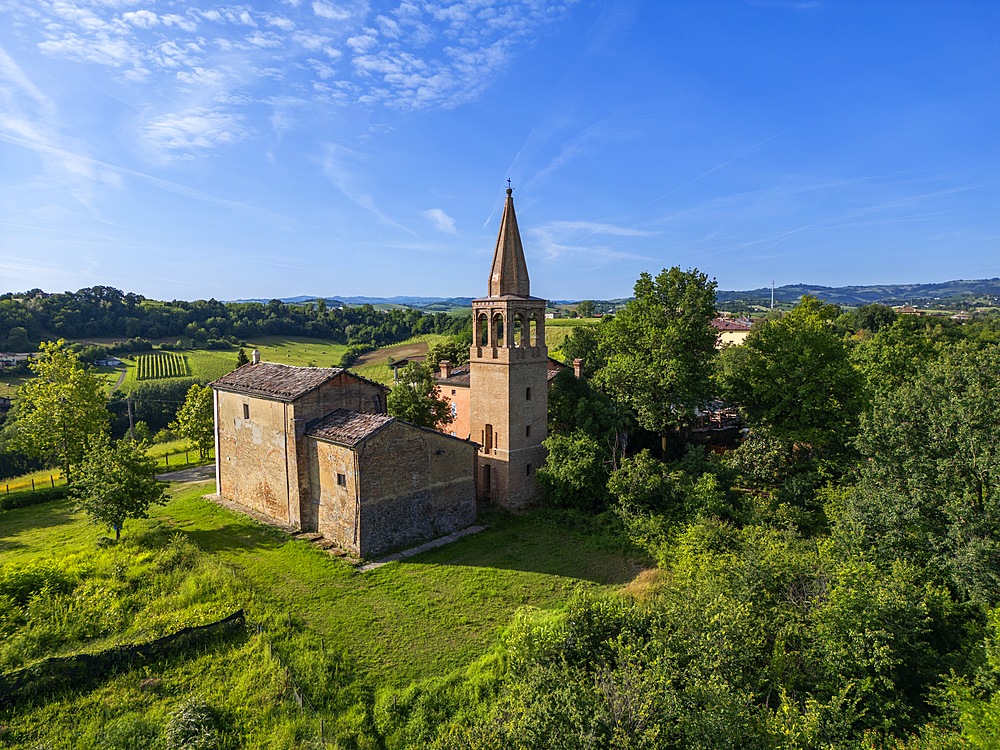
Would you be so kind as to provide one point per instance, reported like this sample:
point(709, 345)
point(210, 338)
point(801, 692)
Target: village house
point(731, 332)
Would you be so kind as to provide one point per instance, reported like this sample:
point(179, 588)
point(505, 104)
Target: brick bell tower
point(508, 376)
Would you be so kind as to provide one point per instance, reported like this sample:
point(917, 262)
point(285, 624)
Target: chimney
point(255, 357)
point(445, 366)
point(578, 368)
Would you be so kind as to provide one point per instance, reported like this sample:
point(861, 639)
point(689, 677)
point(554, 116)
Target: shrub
point(192, 726)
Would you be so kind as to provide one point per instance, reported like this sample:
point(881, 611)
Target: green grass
point(210, 365)
point(342, 634)
point(305, 352)
point(557, 330)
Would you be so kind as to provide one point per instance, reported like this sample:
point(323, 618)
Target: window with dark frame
point(246, 411)
point(342, 480)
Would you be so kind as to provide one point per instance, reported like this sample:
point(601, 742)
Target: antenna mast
point(772, 294)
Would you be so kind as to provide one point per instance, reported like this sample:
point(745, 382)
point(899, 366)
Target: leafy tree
point(658, 351)
point(242, 358)
point(585, 309)
point(574, 473)
point(793, 377)
point(117, 482)
point(583, 343)
point(455, 350)
point(61, 414)
point(414, 398)
point(196, 419)
point(17, 339)
point(930, 488)
point(576, 405)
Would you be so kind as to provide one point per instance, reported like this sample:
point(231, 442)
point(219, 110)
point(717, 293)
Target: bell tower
point(508, 376)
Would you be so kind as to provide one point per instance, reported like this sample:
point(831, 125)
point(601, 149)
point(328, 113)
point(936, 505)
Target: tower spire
point(509, 274)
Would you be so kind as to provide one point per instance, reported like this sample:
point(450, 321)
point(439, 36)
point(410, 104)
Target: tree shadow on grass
point(234, 536)
point(45, 515)
point(542, 548)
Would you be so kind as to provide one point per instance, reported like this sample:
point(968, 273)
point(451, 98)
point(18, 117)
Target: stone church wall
point(253, 455)
point(416, 486)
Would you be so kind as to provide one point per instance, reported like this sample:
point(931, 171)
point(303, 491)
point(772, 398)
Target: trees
point(196, 419)
point(657, 353)
point(242, 358)
point(116, 482)
point(415, 399)
point(794, 378)
point(585, 309)
point(930, 489)
point(61, 414)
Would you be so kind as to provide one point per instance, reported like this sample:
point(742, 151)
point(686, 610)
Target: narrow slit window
point(527, 430)
point(527, 394)
point(246, 411)
point(527, 471)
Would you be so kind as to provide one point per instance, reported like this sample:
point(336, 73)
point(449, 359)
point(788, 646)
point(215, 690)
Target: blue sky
point(362, 147)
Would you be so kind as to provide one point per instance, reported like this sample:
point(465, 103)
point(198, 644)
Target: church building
point(313, 449)
point(508, 375)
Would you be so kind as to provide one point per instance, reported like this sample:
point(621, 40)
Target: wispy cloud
point(345, 168)
point(562, 241)
point(182, 132)
point(441, 221)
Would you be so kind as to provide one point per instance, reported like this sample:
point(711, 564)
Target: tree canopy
point(116, 482)
point(414, 398)
point(61, 414)
point(196, 419)
point(657, 353)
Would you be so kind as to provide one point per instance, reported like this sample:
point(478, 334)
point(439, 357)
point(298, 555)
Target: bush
point(192, 726)
point(26, 498)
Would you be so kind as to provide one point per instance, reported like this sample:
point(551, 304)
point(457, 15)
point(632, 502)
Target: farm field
point(288, 350)
point(375, 365)
point(339, 634)
point(558, 329)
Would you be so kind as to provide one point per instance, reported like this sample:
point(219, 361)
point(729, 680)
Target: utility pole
point(772, 294)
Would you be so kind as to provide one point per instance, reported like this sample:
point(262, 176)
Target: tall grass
point(322, 635)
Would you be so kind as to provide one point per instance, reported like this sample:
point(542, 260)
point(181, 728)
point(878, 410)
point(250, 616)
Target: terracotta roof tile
point(271, 380)
point(348, 427)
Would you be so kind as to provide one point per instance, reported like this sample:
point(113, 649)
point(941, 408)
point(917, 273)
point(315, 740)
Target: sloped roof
point(509, 273)
point(271, 380)
point(727, 324)
point(459, 376)
point(347, 427)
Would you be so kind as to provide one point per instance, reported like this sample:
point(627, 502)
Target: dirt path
point(121, 379)
point(191, 474)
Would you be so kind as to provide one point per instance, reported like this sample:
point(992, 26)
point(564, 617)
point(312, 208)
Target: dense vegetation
point(832, 582)
point(105, 312)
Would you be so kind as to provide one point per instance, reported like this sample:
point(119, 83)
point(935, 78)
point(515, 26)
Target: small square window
point(452, 391)
point(246, 411)
point(342, 480)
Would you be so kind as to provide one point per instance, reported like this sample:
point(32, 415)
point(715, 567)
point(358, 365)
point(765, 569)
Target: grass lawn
point(398, 623)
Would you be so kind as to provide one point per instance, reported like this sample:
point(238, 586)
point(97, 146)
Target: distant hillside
point(850, 296)
point(890, 294)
